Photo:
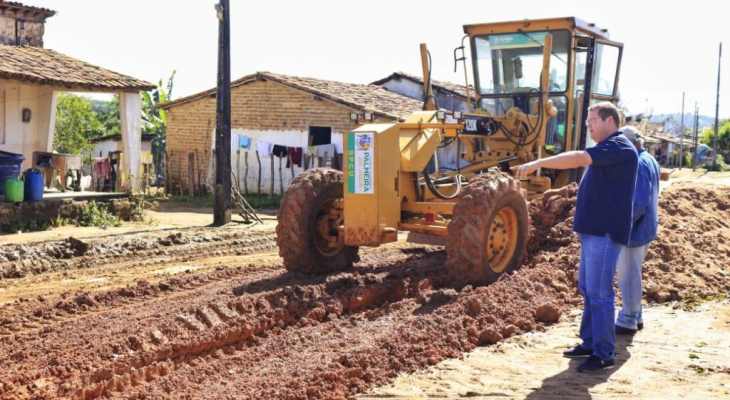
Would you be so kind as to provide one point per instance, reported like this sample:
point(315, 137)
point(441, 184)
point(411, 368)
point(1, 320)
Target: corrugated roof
point(453, 88)
point(47, 67)
point(363, 97)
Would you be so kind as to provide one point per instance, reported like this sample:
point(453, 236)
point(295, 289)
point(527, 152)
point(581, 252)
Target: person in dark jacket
point(643, 231)
point(603, 220)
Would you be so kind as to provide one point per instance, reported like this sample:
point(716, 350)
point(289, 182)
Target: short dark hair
point(607, 109)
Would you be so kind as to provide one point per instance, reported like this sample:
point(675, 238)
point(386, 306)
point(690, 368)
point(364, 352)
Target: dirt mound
point(689, 258)
point(691, 255)
point(552, 219)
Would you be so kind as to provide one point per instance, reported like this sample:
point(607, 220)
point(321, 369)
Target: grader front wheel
point(489, 230)
point(309, 216)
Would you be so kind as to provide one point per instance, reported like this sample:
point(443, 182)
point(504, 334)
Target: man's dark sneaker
point(594, 363)
point(620, 330)
point(640, 325)
point(577, 352)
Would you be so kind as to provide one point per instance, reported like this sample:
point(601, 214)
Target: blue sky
point(669, 48)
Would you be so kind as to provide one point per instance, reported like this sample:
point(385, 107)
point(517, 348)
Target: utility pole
point(696, 128)
point(717, 113)
point(681, 135)
point(222, 207)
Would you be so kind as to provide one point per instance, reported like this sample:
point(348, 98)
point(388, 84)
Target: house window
point(319, 135)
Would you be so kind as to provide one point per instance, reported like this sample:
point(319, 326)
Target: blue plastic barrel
point(33, 185)
point(9, 167)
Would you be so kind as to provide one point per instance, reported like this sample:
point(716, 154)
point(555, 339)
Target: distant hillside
point(688, 119)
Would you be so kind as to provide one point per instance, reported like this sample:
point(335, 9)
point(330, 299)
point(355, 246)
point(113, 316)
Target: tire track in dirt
point(184, 326)
point(17, 261)
point(32, 316)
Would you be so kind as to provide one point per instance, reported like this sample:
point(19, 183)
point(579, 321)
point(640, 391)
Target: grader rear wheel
point(308, 219)
point(489, 230)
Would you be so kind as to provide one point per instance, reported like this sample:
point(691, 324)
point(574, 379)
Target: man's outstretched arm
point(568, 160)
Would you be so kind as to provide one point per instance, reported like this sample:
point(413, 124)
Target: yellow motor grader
point(443, 175)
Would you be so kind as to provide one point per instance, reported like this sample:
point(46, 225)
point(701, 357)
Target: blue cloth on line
point(244, 141)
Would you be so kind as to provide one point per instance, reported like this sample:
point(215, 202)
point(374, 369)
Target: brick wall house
point(278, 109)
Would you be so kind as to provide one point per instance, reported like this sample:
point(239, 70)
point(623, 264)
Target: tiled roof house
point(31, 78)
point(276, 109)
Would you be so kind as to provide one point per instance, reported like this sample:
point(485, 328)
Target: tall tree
point(108, 114)
point(76, 124)
point(723, 140)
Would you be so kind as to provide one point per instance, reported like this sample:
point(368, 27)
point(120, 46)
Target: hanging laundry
point(326, 148)
point(263, 148)
point(279, 151)
point(244, 142)
point(102, 167)
point(295, 156)
point(145, 157)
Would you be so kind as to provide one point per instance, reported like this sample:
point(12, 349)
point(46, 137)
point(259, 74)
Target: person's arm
point(568, 160)
point(642, 194)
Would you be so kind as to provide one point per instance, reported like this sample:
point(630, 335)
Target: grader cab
point(443, 175)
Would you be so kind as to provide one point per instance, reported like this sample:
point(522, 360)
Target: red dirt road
point(254, 331)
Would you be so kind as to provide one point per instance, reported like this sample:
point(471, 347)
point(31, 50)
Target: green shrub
point(97, 215)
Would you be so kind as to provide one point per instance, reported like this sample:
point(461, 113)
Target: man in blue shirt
point(644, 230)
point(603, 219)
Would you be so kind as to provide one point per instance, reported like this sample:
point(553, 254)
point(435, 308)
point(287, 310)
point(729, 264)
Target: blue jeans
point(598, 257)
point(628, 271)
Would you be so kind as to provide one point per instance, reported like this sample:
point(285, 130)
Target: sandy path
point(654, 364)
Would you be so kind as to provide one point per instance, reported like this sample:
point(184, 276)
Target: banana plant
point(154, 120)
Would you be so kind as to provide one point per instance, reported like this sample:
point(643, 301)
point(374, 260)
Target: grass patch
point(264, 202)
point(32, 226)
point(208, 201)
point(193, 201)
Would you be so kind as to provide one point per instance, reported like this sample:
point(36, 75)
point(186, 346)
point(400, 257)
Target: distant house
point(270, 109)
point(31, 78)
point(669, 124)
point(109, 143)
point(449, 96)
point(672, 126)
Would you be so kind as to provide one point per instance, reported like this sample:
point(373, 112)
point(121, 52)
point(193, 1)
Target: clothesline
point(293, 153)
point(264, 146)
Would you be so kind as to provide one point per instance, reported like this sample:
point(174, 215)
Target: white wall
point(25, 137)
point(407, 87)
point(289, 138)
point(105, 146)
